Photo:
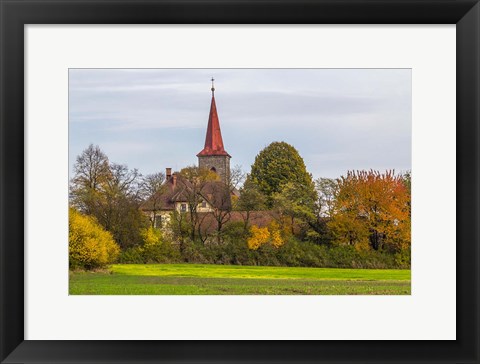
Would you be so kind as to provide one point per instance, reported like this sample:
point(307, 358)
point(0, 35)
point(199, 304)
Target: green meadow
point(200, 279)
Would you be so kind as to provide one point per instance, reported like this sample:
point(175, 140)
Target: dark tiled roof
point(178, 189)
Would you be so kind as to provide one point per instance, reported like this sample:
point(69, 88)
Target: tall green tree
point(279, 163)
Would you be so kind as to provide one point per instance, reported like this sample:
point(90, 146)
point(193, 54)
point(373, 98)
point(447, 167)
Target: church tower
point(213, 156)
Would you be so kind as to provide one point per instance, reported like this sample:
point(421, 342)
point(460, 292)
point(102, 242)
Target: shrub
point(154, 249)
point(304, 254)
point(132, 256)
point(350, 257)
point(234, 231)
point(237, 252)
point(259, 236)
point(267, 235)
point(90, 246)
point(292, 253)
point(193, 252)
point(275, 234)
point(403, 258)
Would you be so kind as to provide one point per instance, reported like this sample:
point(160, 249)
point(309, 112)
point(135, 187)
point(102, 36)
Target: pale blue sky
point(338, 119)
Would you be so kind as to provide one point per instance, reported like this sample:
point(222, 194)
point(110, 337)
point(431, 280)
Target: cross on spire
point(213, 87)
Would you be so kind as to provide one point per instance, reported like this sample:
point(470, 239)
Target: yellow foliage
point(276, 234)
point(362, 245)
point(277, 240)
point(151, 237)
point(284, 225)
point(259, 236)
point(90, 246)
point(372, 210)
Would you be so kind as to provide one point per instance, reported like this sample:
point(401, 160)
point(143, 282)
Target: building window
point(204, 204)
point(158, 222)
point(183, 207)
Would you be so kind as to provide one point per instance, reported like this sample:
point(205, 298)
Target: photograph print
point(240, 181)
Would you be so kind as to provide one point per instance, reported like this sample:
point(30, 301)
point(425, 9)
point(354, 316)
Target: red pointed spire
point(213, 140)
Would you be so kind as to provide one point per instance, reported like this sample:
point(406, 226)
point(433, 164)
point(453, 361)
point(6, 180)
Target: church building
point(213, 155)
point(175, 194)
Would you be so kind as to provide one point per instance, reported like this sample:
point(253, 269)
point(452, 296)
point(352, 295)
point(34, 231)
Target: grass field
point(196, 279)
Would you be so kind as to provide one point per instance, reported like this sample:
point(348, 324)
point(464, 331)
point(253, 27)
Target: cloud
point(336, 118)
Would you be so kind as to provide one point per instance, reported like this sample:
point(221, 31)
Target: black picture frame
point(16, 13)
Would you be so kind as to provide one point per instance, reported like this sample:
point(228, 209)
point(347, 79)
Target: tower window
point(213, 169)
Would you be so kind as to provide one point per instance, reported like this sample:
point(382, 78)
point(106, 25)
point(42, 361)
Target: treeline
point(281, 216)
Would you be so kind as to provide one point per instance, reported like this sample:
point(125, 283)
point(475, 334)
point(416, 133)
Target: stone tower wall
point(221, 163)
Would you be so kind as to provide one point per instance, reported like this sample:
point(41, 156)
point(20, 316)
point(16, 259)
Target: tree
point(265, 235)
point(89, 245)
point(323, 208)
point(111, 193)
point(151, 184)
point(326, 188)
point(276, 165)
point(219, 196)
point(258, 237)
point(155, 248)
point(235, 177)
point(91, 168)
point(152, 187)
point(194, 180)
point(124, 181)
point(251, 199)
point(371, 209)
point(295, 201)
point(180, 228)
point(119, 206)
point(407, 181)
point(91, 172)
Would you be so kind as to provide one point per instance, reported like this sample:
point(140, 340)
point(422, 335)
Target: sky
point(337, 119)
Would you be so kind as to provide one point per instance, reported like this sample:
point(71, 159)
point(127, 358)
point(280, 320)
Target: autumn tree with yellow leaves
point(259, 236)
point(90, 246)
point(371, 210)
